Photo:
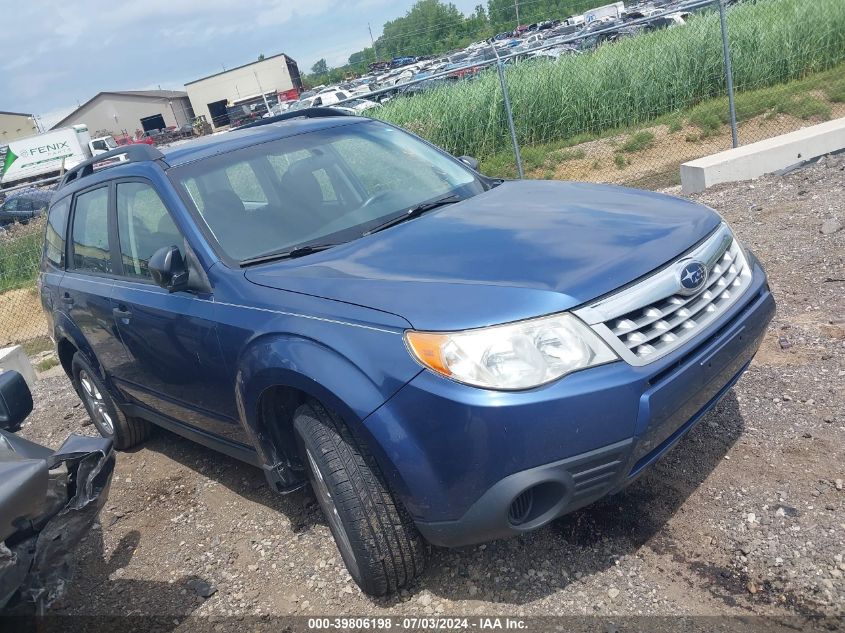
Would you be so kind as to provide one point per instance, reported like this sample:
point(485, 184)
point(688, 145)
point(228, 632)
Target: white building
point(127, 111)
point(15, 125)
point(211, 96)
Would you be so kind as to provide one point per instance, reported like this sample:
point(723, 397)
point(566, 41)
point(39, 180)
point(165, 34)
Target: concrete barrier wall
point(15, 358)
point(755, 160)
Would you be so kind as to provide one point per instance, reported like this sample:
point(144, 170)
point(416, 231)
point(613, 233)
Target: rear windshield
point(328, 186)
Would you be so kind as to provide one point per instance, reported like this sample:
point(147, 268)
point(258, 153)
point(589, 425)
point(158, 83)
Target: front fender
point(326, 374)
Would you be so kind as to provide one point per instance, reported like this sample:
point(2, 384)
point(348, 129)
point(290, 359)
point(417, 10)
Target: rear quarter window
point(54, 240)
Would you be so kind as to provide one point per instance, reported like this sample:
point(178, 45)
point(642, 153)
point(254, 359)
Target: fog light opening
point(521, 507)
point(535, 502)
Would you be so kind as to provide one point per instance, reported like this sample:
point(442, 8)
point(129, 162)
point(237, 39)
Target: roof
point(15, 113)
point(32, 193)
point(237, 139)
point(145, 94)
point(228, 70)
point(153, 94)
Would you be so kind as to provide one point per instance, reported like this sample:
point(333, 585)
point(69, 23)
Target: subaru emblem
point(693, 276)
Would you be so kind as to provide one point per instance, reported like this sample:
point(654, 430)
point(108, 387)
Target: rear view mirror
point(168, 270)
point(470, 162)
point(15, 400)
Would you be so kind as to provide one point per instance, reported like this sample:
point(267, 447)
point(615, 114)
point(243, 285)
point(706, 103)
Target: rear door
point(172, 363)
point(87, 284)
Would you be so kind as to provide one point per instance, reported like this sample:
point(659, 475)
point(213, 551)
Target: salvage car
point(445, 357)
point(23, 206)
point(49, 500)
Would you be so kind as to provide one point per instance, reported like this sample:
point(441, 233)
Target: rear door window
point(91, 232)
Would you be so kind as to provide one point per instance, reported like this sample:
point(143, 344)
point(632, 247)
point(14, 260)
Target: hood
point(522, 249)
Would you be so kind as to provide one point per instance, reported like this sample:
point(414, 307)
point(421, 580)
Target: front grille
point(652, 318)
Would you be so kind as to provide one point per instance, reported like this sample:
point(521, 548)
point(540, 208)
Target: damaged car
point(49, 500)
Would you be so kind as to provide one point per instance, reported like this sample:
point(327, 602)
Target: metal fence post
point(500, 67)
point(729, 75)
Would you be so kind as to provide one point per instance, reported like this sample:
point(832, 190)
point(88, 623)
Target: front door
point(172, 360)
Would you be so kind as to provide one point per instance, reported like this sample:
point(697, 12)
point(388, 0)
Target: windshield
point(323, 187)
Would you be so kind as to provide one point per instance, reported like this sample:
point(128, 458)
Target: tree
point(261, 57)
point(423, 30)
point(434, 27)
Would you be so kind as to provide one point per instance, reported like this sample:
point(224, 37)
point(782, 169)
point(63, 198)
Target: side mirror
point(168, 270)
point(470, 162)
point(15, 400)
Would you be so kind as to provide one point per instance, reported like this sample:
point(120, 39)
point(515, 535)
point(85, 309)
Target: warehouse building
point(15, 125)
point(129, 111)
point(214, 95)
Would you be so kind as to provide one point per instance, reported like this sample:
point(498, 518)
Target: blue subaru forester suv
point(444, 356)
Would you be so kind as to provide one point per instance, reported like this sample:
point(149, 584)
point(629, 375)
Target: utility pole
point(375, 50)
point(516, 6)
point(263, 96)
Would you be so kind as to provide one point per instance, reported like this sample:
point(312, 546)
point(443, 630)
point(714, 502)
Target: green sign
point(7, 160)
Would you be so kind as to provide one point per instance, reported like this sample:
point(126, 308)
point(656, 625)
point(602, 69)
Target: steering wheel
point(378, 195)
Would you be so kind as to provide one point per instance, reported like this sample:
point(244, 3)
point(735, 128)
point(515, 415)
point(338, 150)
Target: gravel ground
point(746, 516)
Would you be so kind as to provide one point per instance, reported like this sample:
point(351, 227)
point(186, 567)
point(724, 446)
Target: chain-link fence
point(21, 318)
point(617, 100)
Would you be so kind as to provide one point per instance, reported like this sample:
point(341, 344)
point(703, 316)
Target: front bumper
point(463, 459)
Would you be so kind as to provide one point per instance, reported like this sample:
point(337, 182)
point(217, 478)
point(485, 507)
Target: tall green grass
point(632, 81)
point(19, 259)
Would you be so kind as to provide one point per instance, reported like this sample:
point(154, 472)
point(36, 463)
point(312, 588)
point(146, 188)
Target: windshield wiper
point(299, 251)
point(415, 212)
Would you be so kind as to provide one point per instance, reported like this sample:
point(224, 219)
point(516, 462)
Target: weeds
point(19, 259)
point(836, 91)
point(47, 363)
point(637, 142)
point(805, 107)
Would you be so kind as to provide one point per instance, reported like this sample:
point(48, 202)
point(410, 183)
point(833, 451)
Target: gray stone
point(830, 226)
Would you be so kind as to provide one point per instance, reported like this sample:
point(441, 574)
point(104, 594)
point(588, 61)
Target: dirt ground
point(746, 516)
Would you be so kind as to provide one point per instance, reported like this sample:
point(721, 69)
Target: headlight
point(513, 356)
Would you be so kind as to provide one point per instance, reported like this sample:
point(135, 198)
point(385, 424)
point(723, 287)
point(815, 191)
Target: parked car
point(356, 106)
point(445, 357)
point(22, 206)
point(49, 500)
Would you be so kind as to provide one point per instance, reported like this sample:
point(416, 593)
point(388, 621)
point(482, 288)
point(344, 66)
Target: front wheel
point(377, 539)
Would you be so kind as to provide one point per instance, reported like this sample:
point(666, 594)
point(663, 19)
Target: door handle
point(122, 313)
point(67, 299)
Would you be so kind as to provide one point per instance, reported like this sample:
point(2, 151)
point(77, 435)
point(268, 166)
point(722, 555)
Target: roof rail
point(304, 113)
point(137, 152)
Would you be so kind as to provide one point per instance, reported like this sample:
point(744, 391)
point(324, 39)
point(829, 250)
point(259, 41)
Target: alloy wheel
point(96, 404)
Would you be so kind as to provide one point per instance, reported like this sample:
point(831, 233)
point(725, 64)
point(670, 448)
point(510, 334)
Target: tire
point(108, 419)
point(377, 539)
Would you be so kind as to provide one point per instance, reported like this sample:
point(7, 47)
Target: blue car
point(446, 358)
point(23, 206)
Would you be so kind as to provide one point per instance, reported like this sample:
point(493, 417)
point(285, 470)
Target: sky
point(57, 54)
